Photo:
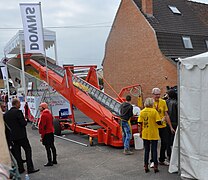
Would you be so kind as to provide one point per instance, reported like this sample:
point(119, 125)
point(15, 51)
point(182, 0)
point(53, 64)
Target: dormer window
point(174, 9)
point(187, 42)
point(206, 41)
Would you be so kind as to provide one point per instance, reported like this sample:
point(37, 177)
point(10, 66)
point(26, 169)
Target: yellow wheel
point(91, 141)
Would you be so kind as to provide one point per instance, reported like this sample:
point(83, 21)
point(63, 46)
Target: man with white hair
point(161, 106)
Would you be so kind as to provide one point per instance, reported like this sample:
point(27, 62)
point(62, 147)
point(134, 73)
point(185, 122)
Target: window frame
point(206, 42)
point(174, 10)
point(187, 39)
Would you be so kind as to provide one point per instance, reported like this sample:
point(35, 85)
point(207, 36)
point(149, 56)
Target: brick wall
point(132, 55)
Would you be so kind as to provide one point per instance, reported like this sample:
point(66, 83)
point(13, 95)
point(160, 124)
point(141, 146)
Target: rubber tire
point(57, 127)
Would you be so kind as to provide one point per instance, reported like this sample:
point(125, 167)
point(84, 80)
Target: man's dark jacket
point(16, 122)
point(126, 111)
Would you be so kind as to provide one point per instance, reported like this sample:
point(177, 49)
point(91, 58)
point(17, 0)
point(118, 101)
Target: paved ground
point(98, 162)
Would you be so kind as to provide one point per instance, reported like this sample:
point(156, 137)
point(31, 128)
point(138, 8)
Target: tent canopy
point(13, 46)
point(193, 119)
point(200, 60)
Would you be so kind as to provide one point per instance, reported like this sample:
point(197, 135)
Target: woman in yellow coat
point(150, 119)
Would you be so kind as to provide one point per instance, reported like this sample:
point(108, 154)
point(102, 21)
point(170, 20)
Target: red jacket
point(45, 124)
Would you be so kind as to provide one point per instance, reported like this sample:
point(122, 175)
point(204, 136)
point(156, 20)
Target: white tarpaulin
point(193, 118)
point(4, 73)
point(33, 28)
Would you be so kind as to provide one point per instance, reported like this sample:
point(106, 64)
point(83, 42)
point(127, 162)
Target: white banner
point(56, 104)
point(32, 25)
point(33, 104)
point(4, 73)
point(30, 86)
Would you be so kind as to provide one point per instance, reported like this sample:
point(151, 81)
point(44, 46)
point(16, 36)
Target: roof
point(13, 46)
point(202, 11)
point(170, 27)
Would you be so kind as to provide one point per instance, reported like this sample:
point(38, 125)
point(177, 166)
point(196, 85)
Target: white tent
point(13, 46)
point(16, 45)
point(193, 119)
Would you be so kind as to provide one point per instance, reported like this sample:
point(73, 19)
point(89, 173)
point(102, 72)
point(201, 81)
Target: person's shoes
point(55, 162)
point(48, 164)
point(152, 165)
point(156, 170)
point(165, 163)
point(146, 169)
point(127, 152)
point(161, 163)
point(33, 171)
point(21, 171)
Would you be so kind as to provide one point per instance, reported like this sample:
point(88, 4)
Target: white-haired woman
point(149, 119)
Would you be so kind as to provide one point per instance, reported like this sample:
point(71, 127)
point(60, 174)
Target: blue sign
point(63, 113)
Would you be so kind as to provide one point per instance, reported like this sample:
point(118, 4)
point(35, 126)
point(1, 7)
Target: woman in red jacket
point(46, 130)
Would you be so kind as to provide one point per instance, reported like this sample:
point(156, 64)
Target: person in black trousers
point(16, 123)
point(46, 131)
point(173, 114)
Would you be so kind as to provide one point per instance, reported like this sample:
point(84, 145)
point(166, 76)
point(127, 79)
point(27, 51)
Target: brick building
point(147, 38)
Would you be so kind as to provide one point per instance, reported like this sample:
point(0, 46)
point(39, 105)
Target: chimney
point(147, 7)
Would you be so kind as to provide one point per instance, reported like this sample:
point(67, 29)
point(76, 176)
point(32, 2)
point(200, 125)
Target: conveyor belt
point(102, 98)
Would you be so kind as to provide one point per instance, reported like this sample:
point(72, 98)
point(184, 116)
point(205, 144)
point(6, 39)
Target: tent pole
point(179, 132)
point(7, 79)
point(7, 76)
point(55, 50)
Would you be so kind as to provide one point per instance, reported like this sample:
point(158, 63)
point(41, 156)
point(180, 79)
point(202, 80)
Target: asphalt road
point(98, 162)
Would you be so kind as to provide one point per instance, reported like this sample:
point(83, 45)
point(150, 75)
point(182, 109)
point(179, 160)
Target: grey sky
point(81, 45)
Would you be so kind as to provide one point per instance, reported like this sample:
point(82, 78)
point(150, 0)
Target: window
point(174, 9)
point(206, 41)
point(187, 42)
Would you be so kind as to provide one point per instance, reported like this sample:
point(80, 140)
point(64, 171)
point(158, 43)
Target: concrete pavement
point(98, 162)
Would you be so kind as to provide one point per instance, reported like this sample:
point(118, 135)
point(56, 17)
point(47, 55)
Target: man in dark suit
point(15, 120)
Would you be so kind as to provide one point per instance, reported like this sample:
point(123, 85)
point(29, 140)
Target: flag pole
point(23, 70)
point(41, 19)
point(46, 63)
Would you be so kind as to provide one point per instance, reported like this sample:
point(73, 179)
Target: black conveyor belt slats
point(105, 100)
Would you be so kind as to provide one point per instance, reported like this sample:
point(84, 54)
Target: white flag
point(4, 73)
point(32, 25)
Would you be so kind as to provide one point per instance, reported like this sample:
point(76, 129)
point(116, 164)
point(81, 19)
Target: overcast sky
point(80, 45)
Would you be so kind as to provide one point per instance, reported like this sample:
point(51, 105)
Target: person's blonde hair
point(148, 102)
